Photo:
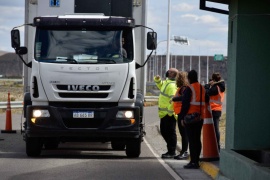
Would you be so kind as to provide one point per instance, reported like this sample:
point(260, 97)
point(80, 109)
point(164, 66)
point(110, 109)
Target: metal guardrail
point(13, 104)
point(19, 104)
point(150, 98)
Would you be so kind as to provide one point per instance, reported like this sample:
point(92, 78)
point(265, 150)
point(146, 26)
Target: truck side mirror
point(151, 40)
point(15, 38)
point(21, 50)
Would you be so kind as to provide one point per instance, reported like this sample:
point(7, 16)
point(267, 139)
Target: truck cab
point(83, 82)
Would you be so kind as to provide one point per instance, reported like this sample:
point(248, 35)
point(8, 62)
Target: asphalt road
point(91, 160)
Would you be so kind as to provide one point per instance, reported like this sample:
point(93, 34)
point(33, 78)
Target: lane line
point(163, 163)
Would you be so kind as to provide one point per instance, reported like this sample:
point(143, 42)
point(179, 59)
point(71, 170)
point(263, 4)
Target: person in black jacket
point(193, 130)
point(215, 90)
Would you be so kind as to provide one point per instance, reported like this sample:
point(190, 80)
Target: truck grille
point(66, 91)
point(83, 104)
point(83, 95)
point(101, 87)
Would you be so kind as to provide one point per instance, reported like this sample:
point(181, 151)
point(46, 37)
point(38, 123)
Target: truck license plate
point(83, 114)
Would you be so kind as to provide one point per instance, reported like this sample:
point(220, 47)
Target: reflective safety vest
point(217, 100)
point(197, 99)
point(167, 91)
point(177, 105)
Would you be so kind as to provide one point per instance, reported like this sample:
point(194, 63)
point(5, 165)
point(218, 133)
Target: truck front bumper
point(61, 123)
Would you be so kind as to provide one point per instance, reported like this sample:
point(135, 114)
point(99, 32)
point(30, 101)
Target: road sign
point(181, 39)
point(218, 57)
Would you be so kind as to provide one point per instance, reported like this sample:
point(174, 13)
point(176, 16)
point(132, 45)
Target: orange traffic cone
point(8, 118)
point(210, 147)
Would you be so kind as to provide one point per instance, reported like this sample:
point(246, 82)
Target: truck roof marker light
point(38, 20)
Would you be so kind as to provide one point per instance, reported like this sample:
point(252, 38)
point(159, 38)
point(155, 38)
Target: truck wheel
point(33, 146)
point(133, 149)
point(118, 145)
point(51, 145)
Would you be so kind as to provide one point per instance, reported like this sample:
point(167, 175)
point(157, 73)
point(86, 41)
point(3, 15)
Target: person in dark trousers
point(193, 100)
point(215, 90)
point(165, 111)
point(181, 83)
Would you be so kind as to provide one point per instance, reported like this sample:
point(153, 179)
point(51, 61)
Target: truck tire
point(133, 147)
point(33, 146)
point(118, 145)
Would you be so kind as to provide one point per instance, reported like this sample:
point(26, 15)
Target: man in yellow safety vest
point(165, 111)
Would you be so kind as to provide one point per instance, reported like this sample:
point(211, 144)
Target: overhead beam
point(216, 10)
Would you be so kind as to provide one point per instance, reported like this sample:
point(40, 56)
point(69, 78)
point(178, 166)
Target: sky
point(207, 32)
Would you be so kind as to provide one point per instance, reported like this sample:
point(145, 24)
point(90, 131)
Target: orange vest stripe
point(177, 105)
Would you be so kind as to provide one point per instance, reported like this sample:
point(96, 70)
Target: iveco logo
point(83, 88)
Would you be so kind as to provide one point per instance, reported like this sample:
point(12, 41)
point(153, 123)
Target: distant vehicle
point(85, 81)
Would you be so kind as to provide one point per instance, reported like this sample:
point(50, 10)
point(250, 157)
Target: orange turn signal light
point(132, 121)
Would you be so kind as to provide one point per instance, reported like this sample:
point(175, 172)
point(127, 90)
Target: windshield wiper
point(70, 60)
point(106, 61)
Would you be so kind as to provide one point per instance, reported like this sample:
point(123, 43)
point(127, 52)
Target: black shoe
point(182, 156)
point(192, 166)
point(167, 155)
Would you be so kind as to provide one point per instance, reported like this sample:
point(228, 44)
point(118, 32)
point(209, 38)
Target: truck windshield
point(84, 46)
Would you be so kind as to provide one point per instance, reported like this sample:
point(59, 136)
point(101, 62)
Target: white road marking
point(166, 166)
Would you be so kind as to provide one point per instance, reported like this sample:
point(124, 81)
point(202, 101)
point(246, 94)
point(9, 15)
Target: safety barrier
point(150, 98)
point(13, 104)
point(19, 104)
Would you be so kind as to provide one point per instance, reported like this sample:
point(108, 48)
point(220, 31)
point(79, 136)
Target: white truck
point(84, 80)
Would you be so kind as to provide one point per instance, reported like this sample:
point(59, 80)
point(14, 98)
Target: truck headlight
point(40, 113)
point(125, 114)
